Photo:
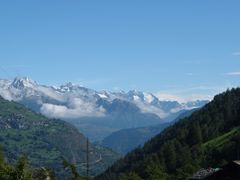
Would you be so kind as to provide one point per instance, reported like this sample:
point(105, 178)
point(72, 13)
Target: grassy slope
point(222, 140)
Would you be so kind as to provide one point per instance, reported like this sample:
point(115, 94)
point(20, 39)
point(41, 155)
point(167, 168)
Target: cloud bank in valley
point(75, 108)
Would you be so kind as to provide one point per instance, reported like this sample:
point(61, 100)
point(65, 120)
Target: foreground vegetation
point(22, 171)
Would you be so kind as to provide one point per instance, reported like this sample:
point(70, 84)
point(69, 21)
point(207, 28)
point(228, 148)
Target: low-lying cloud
point(6, 95)
point(147, 108)
point(75, 108)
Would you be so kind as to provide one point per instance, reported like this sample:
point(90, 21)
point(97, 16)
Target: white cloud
point(185, 94)
point(182, 98)
point(151, 109)
point(189, 74)
point(76, 108)
point(168, 97)
point(236, 53)
point(51, 93)
point(148, 97)
point(195, 97)
point(237, 73)
point(6, 95)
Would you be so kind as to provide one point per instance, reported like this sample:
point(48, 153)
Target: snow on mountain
point(74, 101)
point(21, 83)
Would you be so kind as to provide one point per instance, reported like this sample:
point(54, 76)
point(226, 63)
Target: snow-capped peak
point(66, 87)
point(77, 89)
point(148, 97)
point(22, 82)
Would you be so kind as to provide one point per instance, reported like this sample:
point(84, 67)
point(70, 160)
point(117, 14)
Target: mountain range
point(96, 114)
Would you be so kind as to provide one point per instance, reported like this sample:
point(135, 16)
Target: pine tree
point(195, 134)
point(131, 176)
point(170, 156)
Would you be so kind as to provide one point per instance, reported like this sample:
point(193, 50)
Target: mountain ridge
point(20, 88)
point(84, 107)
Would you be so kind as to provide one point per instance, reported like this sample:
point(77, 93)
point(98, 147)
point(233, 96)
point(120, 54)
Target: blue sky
point(186, 48)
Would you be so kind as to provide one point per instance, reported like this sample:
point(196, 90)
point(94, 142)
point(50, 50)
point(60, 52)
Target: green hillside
point(45, 141)
point(222, 140)
point(210, 137)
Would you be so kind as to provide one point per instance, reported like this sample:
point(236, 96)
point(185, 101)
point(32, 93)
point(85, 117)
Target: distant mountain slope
point(45, 141)
point(126, 140)
point(85, 107)
point(210, 137)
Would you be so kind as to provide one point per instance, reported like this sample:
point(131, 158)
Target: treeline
point(210, 137)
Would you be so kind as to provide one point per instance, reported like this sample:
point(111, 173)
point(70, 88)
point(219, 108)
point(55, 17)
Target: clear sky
point(187, 47)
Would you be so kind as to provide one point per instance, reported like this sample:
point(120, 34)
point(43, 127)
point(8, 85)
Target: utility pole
point(238, 150)
point(87, 158)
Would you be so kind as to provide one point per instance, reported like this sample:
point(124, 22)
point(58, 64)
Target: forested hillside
point(210, 137)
